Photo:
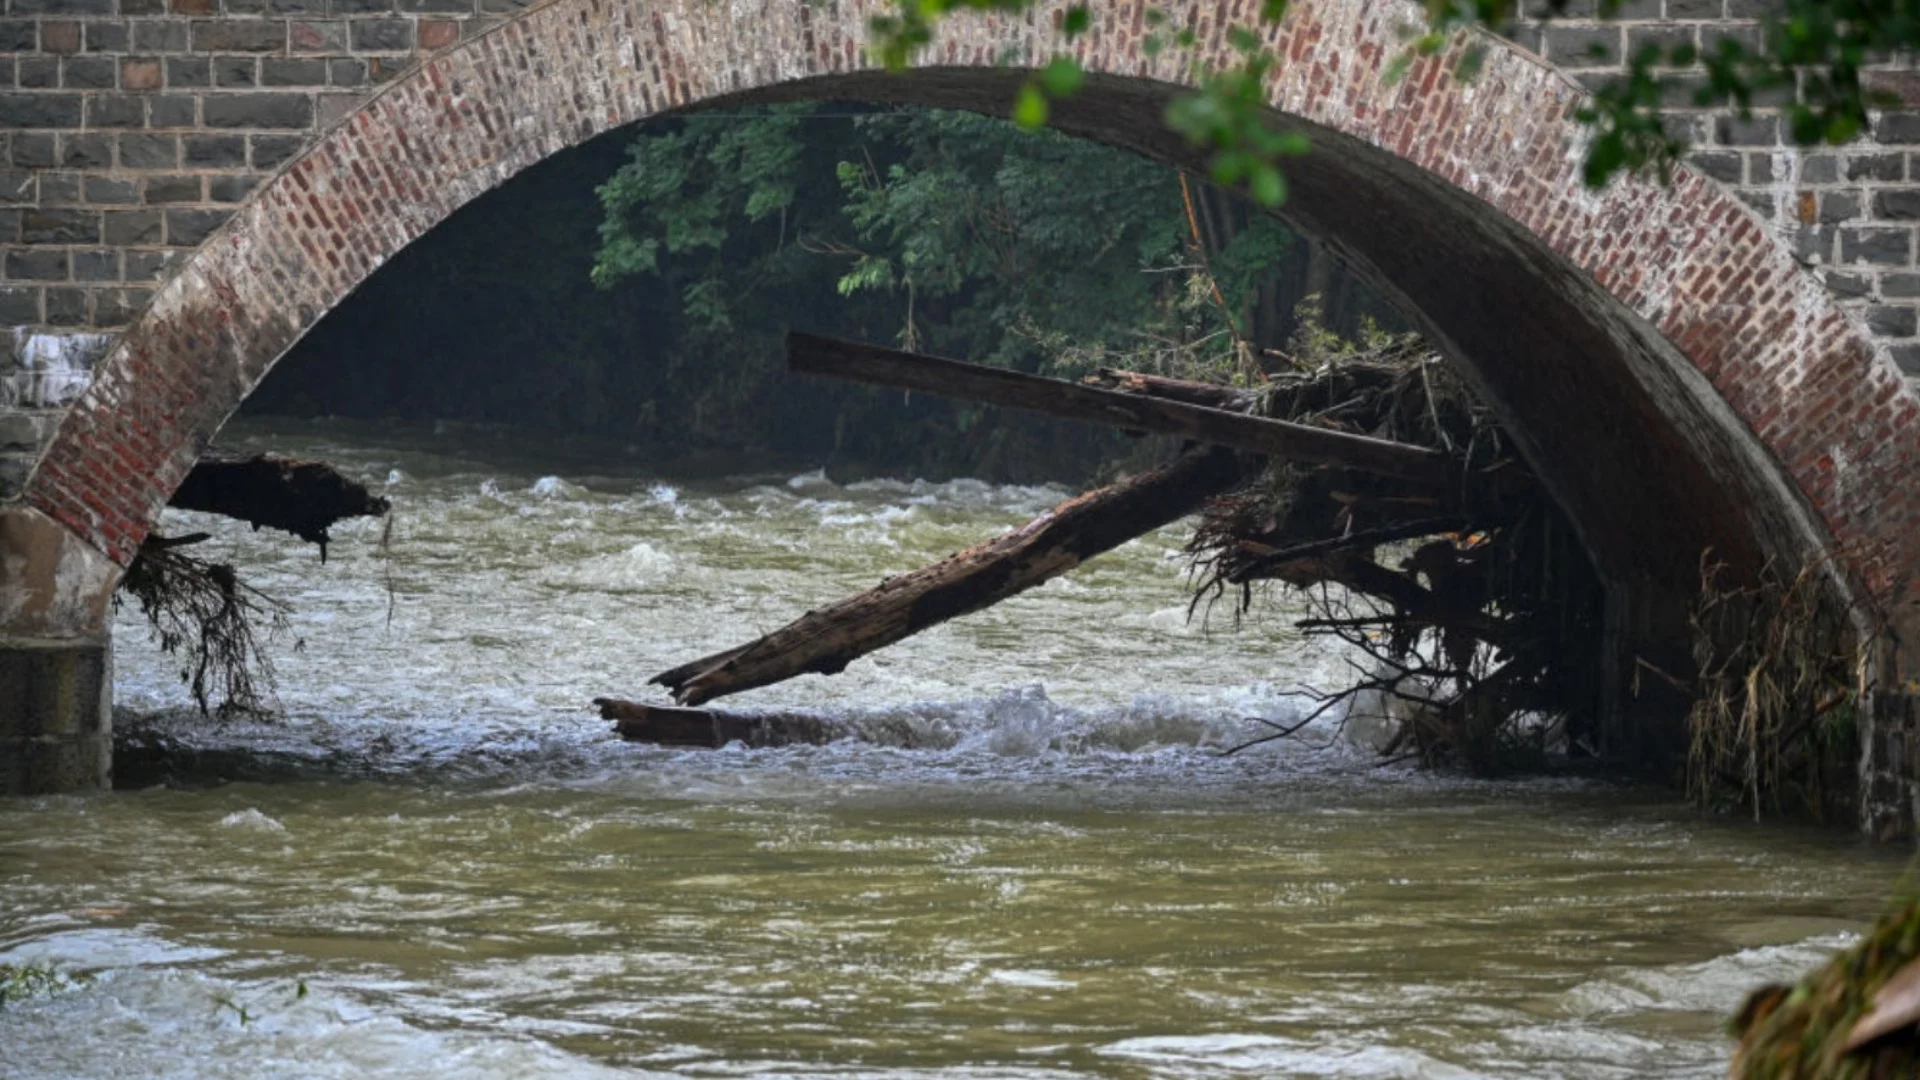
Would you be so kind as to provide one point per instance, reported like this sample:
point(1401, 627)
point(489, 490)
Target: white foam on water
point(251, 820)
point(183, 1024)
point(1230, 1054)
point(636, 569)
point(1032, 979)
point(1714, 986)
point(552, 487)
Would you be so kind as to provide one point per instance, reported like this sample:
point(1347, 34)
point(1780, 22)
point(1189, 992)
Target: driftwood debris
point(304, 498)
point(809, 354)
point(827, 640)
point(1464, 602)
point(710, 728)
point(202, 613)
point(1390, 498)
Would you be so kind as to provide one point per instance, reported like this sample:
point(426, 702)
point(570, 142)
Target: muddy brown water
point(457, 871)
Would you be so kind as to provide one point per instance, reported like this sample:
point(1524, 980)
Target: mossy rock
point(1802, 1032)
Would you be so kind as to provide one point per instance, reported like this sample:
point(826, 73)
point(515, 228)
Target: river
point(440, 863)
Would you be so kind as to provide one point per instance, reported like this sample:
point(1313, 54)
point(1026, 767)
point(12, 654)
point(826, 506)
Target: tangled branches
point(1463, 600)
point(201, 612)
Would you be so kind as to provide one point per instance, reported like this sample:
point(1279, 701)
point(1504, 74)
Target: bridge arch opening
point(1671, 373)
point(492, 318)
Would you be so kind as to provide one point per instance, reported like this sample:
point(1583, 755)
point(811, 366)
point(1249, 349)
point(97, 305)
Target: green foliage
point(1810, 53)
point(24, 982)
point(959, 233)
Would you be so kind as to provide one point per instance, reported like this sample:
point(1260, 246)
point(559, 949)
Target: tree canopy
point(946, 231)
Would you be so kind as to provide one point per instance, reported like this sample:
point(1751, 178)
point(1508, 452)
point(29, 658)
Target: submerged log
point(669, 726)
point(813, 355)
point(304, 498)
point(827, 640)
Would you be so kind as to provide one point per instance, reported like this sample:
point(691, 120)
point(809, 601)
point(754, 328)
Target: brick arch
point(1674, 375)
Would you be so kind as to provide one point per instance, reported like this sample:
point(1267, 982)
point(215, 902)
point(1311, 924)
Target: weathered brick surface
point(1679, 362)
point(187, 104)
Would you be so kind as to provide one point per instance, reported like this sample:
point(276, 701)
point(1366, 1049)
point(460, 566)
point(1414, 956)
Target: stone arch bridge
point(1713, 364)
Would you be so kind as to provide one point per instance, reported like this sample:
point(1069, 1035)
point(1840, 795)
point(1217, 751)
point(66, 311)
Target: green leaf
point(1030, 108)
point(1076, 22)
point(1268, 186)
point(1062, 77)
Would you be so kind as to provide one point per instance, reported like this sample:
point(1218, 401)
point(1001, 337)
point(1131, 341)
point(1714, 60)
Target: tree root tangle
point(1464, 601)
point(201, 612)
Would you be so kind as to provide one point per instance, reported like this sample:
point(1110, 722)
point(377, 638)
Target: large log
point(304, 498)
point(813, 355)
point(668, 726)
point(827, 640)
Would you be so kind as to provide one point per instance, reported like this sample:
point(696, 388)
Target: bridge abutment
point(56, 733)
point(56, 658)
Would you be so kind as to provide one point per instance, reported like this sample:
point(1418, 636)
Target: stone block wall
point(129, 129)
point(1850, 213)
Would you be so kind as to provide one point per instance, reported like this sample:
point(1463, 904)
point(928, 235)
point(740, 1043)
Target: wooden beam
point(810, 354)
point(827, 640)
point(666, 725)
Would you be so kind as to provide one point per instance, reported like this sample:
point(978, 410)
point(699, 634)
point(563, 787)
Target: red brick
point(59, 37)
point(438, 33)
point(140, 74)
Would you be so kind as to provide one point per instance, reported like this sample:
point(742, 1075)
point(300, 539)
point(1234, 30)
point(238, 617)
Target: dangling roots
point(202, 613)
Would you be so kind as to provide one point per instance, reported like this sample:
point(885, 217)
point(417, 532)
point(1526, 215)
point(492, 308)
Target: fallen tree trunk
point(669, 726)
point(304, 498)
point(827, 640)
point(813, 355)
